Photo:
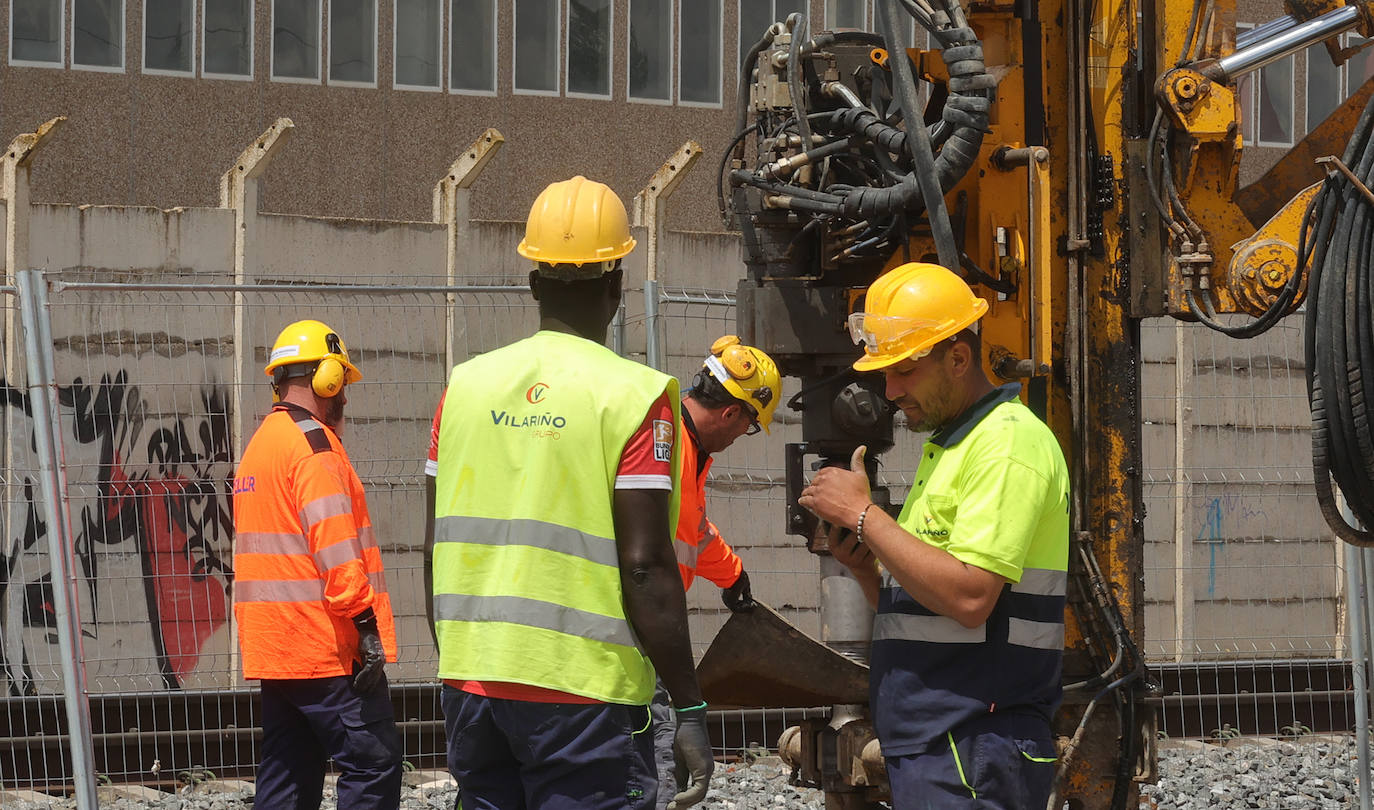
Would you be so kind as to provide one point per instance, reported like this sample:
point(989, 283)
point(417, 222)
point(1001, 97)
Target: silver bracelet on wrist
point(859, 529)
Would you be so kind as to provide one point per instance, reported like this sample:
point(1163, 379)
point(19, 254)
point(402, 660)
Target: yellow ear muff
point(329, 377)
point(738, 361)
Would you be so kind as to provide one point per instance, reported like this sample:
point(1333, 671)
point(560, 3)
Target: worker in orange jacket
point(734, 394)
point(310, 598)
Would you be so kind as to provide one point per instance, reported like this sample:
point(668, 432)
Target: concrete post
point(451, 208)
point(238, 189)
point(650, 213)
point(14, 190)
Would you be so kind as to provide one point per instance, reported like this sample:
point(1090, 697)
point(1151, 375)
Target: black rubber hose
point(795, 90)
point(924, 172)
point(1339, 342)
point(964, 116)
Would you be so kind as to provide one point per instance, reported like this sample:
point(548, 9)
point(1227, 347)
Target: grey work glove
point(692, 756)
point(371, 653)
point(738, 597)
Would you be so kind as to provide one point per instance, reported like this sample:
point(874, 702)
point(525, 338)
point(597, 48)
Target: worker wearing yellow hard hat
point(969, 579)
point(734, 394)
point(310, 601)
point(555, 594)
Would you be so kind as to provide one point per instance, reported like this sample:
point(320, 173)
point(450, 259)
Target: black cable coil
point(1339, 340)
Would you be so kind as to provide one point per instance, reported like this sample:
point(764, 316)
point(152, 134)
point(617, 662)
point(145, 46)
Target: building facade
point(384, 94)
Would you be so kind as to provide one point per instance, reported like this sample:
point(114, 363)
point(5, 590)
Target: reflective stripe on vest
point(533, 613)
point(534, 533)
point(526, 568)
point(937, 629)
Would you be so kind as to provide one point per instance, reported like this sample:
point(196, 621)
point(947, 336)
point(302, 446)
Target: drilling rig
point(1076, 161)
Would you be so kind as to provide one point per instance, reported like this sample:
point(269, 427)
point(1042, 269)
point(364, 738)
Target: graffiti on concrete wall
point(145, 484)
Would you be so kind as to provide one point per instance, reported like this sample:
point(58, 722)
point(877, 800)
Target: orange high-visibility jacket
point(305, 557)
point(701, 551)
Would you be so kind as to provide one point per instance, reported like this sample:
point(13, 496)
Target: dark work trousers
point(307, 721)
point(518, 755)
point(980, 768)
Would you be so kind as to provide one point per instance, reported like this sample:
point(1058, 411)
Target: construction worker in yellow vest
point(555, 591)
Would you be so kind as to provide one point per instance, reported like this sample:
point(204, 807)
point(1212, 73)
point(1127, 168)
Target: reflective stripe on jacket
point(701, 551)
point(526, 568)
point(305, 555)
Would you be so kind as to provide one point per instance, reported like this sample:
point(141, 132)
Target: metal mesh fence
point(30, 664)
point(159, 385)
point(1244, 584)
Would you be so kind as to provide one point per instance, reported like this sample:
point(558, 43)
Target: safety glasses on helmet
point(886, 334)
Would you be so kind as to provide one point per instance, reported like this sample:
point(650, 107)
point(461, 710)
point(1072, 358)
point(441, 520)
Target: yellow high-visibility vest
point(526, 570)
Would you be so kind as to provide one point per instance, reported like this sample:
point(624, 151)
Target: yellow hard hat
point(577, 222)
point(313, 342)
point(748, 374)
point(908, 310)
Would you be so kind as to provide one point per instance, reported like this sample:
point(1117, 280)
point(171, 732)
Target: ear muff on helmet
point(747, 373)
point(328, 378)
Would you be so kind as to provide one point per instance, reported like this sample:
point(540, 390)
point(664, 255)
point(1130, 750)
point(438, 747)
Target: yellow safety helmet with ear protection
point(910, 309)
point(748, 374)
point(310, 342)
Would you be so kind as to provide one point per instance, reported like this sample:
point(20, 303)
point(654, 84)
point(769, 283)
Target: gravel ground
point(1306, 774)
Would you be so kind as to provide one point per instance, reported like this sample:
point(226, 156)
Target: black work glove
point(738, 597)
point(692, 757)
point(372, 655)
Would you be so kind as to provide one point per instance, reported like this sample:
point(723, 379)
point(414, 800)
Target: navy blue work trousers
point(983, 768)
point(518, 755)
point(306, 722)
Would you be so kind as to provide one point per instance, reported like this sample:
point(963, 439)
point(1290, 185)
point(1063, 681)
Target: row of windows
point(1268, 96)
point(583, 29)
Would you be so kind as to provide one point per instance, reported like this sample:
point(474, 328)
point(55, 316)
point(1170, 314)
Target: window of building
point(651, 50)
point(169, 36)
point(1360, 67)
point(228, 42)
point(353, 41)
point(472, 46)
point(36, 31)
point(699, 47)
point(589, 48)
point(98, 34)
point(296, 40)
point(416, 43)
point(756, 15)
point(1274, 97)
point(849, 14)
point(536, 46)
point(1325, 85)
point(1245, 96)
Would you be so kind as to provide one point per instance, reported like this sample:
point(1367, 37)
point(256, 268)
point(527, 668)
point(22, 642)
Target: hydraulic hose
point(965, 117)
point(924, 172)
point(1339, 342)
point(797, 22)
